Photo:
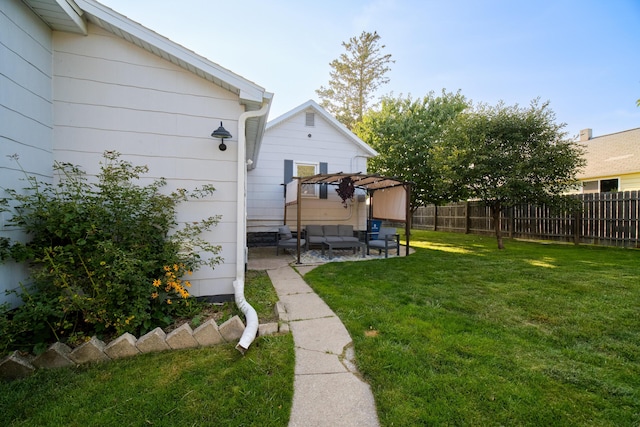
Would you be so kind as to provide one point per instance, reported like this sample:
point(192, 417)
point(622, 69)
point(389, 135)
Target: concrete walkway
point(328, 390)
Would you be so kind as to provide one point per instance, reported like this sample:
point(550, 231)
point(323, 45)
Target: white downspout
point(249, 312)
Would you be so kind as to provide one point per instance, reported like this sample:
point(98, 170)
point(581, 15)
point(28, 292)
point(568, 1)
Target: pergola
point(389, 197)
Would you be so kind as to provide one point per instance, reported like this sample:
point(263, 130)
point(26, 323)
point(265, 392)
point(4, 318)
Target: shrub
point(105, 256)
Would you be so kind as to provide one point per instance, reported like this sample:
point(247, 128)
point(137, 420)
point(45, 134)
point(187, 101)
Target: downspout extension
point(251, 317)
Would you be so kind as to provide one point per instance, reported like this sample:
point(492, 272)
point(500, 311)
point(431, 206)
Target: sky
point(583, 56)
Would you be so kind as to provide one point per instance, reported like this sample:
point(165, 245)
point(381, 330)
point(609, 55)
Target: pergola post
point(407, 218)
point(299, 217)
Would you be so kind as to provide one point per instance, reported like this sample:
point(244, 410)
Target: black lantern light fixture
point(221, 133)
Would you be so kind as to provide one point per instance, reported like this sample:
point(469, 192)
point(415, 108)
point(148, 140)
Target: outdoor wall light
point(221, 133)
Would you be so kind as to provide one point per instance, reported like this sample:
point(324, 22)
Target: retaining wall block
point(232, 329)
point(56, 356)
point(181, 337)
point(268, 329)
point(153, 341)
point(208, 334)
point(14, 366)
point(123, 346)
point(91, 351)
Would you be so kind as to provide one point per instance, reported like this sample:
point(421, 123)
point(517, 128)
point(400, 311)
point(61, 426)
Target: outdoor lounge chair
point(383, 240)
point(286, 239)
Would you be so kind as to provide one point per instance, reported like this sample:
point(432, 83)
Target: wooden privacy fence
point(611, 219)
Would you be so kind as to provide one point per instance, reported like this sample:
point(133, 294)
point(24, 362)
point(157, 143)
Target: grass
point(200, 387)
point(460, 333)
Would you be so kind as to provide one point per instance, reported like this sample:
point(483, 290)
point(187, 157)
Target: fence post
point(511, 220)
point(467, 220)
point(435, 217)
point(577, 216)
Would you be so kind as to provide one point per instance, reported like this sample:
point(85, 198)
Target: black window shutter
point(323, 187)
point(288, 174)
point(288, 171)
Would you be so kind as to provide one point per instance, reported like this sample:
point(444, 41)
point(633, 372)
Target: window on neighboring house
point(609, 185)
point(302, 169)
point(310, 119)
point(602, 186)
point(590, 186)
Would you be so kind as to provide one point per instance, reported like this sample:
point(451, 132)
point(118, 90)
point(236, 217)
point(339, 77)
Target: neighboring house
point(305, 141)
point(77, 78)
point(613, 162)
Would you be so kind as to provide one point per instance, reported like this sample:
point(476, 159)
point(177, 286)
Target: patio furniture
point(320, 235)
point(386, 239)
point(349, 244)
point(286, 240)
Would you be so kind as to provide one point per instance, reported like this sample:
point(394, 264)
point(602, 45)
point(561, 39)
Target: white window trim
point(310, 191)
point(599, 181)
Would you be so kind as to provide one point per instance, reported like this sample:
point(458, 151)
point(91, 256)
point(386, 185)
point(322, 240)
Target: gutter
point(251, 317)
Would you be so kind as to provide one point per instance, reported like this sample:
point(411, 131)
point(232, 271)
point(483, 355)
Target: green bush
point(105, 257)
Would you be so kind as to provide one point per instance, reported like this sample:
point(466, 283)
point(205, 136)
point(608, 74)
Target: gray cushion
point(330, 230)
point(386, 233)
point(285, 232)
point(345, 230)
point(314, 230)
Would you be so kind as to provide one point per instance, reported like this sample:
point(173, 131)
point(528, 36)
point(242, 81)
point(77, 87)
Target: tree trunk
point(495, 214)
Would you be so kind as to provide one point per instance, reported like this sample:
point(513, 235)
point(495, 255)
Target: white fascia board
point(245, 89)
point(59, 15)
point(75, 14)
point(339, 126)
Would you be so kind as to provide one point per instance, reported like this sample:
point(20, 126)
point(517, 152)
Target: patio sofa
point(332, 237)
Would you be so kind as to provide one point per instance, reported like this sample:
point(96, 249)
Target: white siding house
point(305, 141)
point(26, 114)
point(79, 78)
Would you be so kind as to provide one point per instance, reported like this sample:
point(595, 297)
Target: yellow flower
point(187, 283)
point(166, 268)
point(175, 267)
point(168, 301)
point(157, 282)
point(154, 295)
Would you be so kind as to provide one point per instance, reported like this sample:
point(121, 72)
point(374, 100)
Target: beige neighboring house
point(613, 162)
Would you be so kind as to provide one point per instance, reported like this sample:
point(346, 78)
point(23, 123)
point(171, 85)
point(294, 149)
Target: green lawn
point(213, 386)
point(460, 333)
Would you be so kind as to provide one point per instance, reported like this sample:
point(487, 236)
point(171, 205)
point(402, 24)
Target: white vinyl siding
point(290, 140)
point(26, 117)
point(111, 95)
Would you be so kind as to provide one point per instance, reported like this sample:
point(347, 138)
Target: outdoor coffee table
point(356, 246)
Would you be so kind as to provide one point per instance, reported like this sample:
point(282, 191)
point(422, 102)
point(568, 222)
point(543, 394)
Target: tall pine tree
point(354, 78)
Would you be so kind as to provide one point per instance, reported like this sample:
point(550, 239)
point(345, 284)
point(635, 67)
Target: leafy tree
point(508, 155)
point(355, 76)
point(405, 132)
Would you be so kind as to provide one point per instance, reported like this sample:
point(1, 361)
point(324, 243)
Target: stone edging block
point(16, 365)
